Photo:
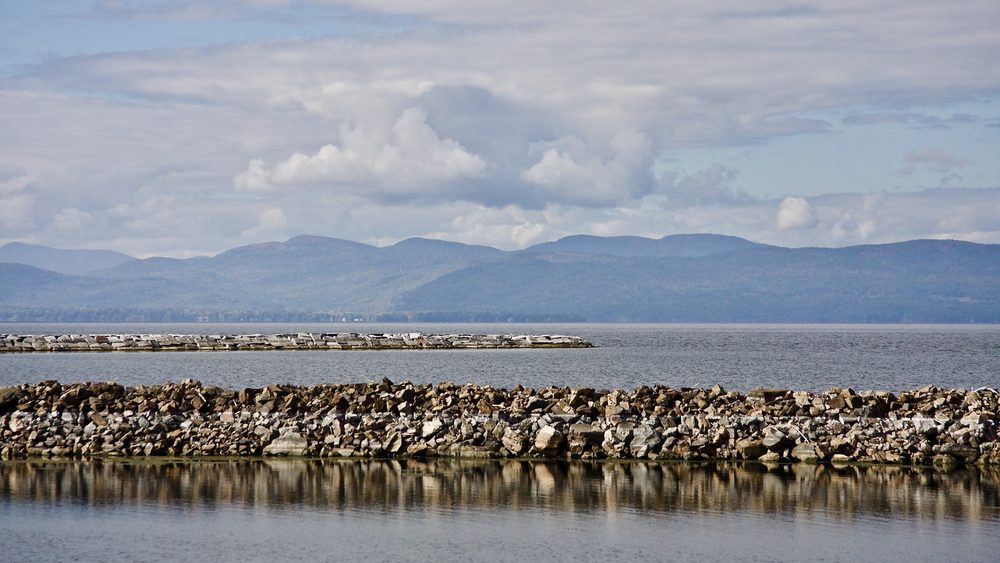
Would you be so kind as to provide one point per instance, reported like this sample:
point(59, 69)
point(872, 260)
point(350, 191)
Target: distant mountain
point(308, 272)
point(680, 278)
point(671, 245)
point(61, 260)
point(918, 281)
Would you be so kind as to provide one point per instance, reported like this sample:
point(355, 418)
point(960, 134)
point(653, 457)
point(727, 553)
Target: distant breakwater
point(292, 341)
point(946, 428)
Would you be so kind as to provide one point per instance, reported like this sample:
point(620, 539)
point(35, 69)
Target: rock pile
point(944, 427)
point(296, 341)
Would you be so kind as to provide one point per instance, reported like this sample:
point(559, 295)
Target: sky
point(182, 128)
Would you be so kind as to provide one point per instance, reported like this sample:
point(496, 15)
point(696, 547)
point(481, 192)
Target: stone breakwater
point(943, 427)
point(295, 341)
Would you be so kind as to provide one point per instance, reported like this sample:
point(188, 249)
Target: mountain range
point(677, 278)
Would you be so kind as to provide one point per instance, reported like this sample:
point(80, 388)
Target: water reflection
point(563, 487)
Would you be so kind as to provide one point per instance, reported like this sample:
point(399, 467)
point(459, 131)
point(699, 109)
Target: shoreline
point(946, 428)
point(145, 342)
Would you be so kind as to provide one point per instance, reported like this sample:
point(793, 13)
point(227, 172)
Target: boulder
point(431, 427)
point(584, 437)
point(750, 449)
point(644, 441)
point(515, 442)
point(288, 444)
point(420, 450)
point(806, 453)
point(967, 453)
point(549, 441)
point(776, 440)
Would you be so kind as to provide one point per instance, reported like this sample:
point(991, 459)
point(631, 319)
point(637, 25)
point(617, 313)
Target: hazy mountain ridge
point(688, 245)
point(63, 261)
point(911, 282)
point(680, 278)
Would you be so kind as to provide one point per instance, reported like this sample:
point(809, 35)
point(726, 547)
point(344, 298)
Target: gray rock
point(431, 427)
point(289, 444)
point(16, 424)
point(776, 440)
point(584, 437)
point(644, 441)
point(806, 453)
point(515, 442)
point(394, 443)
point(962, 451)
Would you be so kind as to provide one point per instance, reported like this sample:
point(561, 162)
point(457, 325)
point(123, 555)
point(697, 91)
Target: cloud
point(825, 220)
point(16, 213)
point(502, 122)
point(932, 159)
point(918, 120)
point(14, 185)
point(271, 222)
point(572, 171)
point(712, 185)
point(795, 213)
point(71, 219)
point(182, 9)
point(408, 159)
point(17, 204)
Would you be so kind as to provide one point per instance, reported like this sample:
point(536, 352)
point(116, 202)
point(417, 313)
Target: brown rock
point(549, 441)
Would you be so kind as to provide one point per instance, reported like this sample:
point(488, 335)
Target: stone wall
point(943, 427)
point(296, 341)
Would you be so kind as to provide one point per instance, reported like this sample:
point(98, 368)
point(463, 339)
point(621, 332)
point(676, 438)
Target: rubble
point(945, 428)
point(290, 341)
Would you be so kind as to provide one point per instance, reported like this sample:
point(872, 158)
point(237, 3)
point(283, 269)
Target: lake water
point(513, 510)
point(446, 510)
point(740, 357)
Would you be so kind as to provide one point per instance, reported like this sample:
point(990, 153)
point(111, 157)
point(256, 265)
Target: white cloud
point(511, 123)
point(795, 213)
point(572, 172)
point(508, 227)
point(271, 222)
point(254, 178)
point(407, 159)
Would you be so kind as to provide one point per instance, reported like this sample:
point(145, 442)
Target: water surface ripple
point(739, 357)
point(493, 510)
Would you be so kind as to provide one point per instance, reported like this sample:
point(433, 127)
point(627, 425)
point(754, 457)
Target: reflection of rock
point(450, 483)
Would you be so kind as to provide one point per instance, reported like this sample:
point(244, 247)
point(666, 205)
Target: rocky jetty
point(294, 341)
point(943, 427)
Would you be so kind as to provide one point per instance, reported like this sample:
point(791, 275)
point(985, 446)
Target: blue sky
point(181, 128)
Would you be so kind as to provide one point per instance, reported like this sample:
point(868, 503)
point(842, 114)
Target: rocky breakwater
point(294, 341)
point(943, 427)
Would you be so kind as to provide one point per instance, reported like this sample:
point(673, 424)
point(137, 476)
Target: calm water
point(512, 510)
point(492, 511)
point(813, 357)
